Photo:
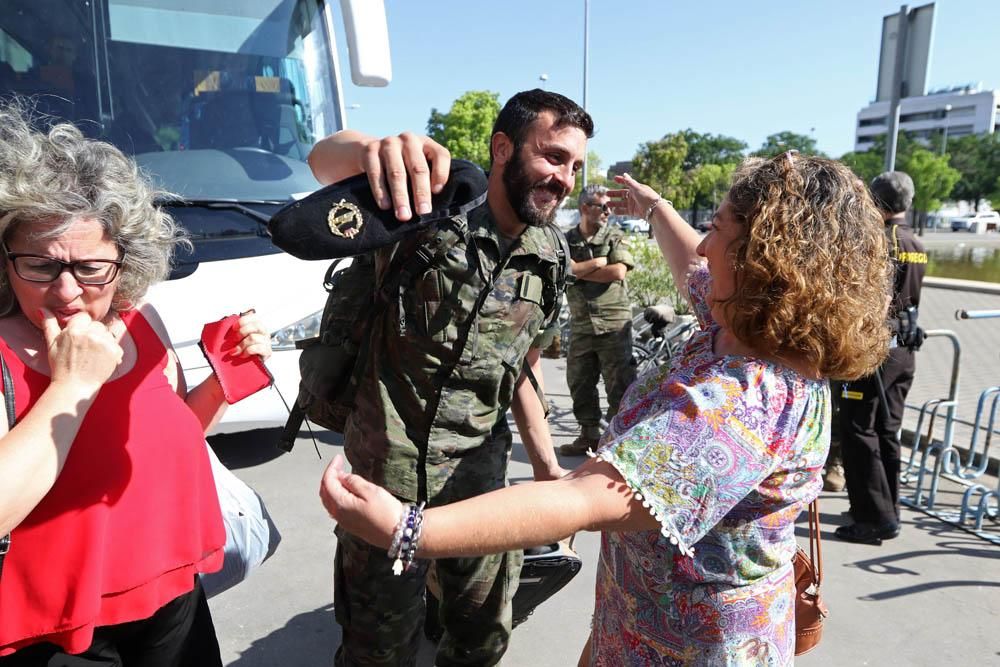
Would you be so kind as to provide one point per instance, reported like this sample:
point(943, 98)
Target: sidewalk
point(925, 598)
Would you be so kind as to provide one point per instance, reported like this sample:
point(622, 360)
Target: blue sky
point(741, 68)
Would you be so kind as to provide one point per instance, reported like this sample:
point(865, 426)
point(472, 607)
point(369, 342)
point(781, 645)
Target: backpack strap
point(563, 253)
point(406, 266)
point(563, 275)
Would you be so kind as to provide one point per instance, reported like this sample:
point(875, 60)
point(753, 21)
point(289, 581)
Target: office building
point(933, 118)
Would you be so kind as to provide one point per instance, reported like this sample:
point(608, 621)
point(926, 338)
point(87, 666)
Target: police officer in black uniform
point(871, 409)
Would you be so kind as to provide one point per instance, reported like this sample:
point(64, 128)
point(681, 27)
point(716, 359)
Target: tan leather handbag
point(809, 608)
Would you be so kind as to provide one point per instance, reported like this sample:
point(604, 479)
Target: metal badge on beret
point(344, 219)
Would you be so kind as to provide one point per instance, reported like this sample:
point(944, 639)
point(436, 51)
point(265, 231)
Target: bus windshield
point(217, 100)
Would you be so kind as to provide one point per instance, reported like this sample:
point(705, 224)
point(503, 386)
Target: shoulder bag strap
point(8, 397)
point(815, 544)
point(526, 368)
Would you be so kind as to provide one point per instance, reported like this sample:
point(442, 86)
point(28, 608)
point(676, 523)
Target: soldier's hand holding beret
point(344, 219)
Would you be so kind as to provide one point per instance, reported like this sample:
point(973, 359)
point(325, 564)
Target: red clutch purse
point(238, 376)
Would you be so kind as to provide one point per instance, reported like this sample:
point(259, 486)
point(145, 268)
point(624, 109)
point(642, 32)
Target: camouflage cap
point(343, 220)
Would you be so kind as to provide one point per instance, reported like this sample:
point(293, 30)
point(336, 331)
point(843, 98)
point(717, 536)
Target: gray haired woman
point(107, 460)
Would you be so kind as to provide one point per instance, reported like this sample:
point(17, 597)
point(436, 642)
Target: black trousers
point(179, 634)
point(869, 443)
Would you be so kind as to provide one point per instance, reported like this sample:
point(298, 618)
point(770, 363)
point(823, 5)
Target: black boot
point(868, 533)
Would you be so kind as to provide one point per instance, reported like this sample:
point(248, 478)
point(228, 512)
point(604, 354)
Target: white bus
point(220, 101)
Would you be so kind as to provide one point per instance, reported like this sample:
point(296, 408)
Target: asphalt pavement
point(928, 597)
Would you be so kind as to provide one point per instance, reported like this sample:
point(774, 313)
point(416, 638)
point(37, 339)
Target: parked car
point(635, 225)
point(988, 221)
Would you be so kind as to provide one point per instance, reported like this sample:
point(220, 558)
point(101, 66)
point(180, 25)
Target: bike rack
point(945, 448)
point(948, 460)
point(970, 471)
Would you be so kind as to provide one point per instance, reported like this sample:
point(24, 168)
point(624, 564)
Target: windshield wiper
point(239, 205)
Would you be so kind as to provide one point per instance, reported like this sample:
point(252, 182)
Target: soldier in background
point(601, 318)
point(871, 408)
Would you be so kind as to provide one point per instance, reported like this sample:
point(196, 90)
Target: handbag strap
point(8, 397)
point(815, 544)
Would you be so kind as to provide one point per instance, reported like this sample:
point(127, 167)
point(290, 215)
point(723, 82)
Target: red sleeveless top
point(131, 519)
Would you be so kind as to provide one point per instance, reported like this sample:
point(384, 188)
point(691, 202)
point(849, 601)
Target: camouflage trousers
point(382, 615)
point(590, 357)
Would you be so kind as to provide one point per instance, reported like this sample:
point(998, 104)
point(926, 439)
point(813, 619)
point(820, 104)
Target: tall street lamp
point(586, 39)
point(944, 116)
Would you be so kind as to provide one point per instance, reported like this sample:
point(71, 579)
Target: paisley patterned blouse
point(724, 451)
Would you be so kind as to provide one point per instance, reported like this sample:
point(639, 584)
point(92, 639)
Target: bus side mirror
point(367, 42)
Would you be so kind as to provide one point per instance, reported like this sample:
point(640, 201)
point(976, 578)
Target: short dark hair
point(524, 108)
point(892, 191)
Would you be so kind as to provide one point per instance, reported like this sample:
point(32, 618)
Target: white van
point(220, 102)
point(988, 221)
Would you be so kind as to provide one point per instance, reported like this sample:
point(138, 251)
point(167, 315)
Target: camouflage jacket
point(599, 308)
point(442, 361)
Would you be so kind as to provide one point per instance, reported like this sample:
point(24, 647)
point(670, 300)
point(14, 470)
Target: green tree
point(977, 158)
point(650, 281)
point(467, 127)
point(659, 164)
point(708, 166)
point(711, 149)
point(870, 163)
point(865, 164)
point(780, 142)
point(933, 179)
point(709, 183)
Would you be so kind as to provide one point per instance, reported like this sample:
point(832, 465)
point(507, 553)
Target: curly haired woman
point(698, 480)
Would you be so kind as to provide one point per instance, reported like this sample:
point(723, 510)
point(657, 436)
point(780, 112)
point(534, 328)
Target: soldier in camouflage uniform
point(444, 363)
point(600, 341)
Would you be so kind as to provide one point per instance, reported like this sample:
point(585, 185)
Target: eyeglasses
point(605, 208)
point(41, 269)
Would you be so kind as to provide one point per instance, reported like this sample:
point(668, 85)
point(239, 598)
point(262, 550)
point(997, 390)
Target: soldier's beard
point(519, 189)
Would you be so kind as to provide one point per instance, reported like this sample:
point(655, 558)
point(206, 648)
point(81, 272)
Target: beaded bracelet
point(405, 538)
point(409, 554)
point(397, 535)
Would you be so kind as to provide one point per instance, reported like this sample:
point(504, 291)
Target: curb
point(962, 285)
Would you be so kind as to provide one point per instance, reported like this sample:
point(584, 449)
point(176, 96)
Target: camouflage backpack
point(329, 366)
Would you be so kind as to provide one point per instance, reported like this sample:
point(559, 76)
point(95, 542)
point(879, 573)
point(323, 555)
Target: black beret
point(343, 220)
